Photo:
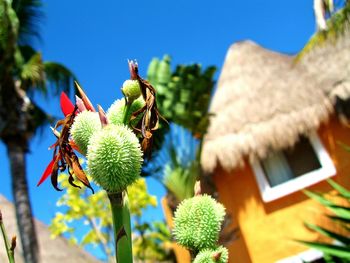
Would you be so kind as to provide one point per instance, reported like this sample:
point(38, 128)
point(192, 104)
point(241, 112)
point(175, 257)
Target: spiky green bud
point(85, 125)
point(197, 222)
point(131, 89)
point(114, 158)
point(218, 255)
point(115, 113)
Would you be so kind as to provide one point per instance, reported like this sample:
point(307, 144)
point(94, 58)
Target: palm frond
point(29, 14)
point(59, 77)
point(342, 252)
point(340, 217)
point(39, 119)
point(32, 71)
point(341, 190)
point(175, 164)
point(181, 180)
point(331, 234)
point(26, 52)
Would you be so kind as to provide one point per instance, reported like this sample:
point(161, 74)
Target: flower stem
point(9, 250)
point(126, 113)
point(121, 225)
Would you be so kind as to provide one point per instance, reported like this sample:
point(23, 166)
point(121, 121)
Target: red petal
point(47, 171)
point(67, 106)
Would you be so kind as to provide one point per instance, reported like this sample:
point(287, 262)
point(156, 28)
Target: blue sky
point(95, 39)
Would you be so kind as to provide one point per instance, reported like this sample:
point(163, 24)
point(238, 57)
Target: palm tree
point(23, 73)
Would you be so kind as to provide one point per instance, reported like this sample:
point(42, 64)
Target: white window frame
point(326, 170)
point(305, 256)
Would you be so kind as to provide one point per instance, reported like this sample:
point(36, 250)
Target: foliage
point(183, 98)
point(152, 242)
point(180, 179)
point(94, 212)
point(339, 248)
point(175, 165)
point(337, 25)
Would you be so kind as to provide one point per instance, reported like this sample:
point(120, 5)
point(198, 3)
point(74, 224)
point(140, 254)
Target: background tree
point(23, 73)
point(183, 97)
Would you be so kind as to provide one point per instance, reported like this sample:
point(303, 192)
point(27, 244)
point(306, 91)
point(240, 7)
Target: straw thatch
point(264, 100)
point(51, 250)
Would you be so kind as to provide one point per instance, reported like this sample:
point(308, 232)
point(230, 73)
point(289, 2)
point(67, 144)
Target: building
point(275, 130)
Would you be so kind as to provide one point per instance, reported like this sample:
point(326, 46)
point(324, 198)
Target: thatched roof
point(51, 250)
point(264, 100)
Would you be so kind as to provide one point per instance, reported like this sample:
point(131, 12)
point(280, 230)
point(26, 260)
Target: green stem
point(122, 227)
point(9, 251)
point(126, 113)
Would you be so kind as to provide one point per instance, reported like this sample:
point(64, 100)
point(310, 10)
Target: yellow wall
point(267, 230)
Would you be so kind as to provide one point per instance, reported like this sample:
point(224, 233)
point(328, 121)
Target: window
point(290, 170)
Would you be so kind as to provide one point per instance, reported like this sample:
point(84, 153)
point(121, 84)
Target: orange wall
point(182, 255)
point(267, 230)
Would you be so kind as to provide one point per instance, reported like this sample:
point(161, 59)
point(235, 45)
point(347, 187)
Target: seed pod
point(218, 255)
point(198, 221)
point(114, 158)
point(115, 113)
point(84, 126)
point(131, 90)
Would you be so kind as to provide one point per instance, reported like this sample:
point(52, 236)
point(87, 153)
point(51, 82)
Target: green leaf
point(33, 70)
point(334, 250)
point(328, 233)
point(90, 238)
point(339, 219)
point(340, 211)
point(342, 191)
point(319, 198)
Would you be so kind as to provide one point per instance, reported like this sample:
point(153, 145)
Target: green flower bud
point(115, 113)
point(218, 255)
point(114, 158)
point(85, 125)
point(197, 222)
point(131, 89)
